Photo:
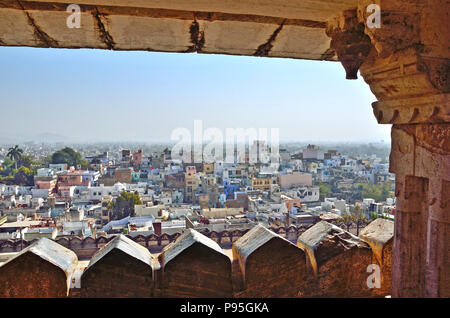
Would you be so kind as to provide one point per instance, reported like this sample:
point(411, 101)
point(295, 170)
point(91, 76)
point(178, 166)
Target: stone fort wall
point(327, 261)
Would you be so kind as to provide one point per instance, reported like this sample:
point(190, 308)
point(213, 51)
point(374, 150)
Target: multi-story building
point(313, 152)
point(106, 217)
point(295, 178)
point(191, 184)
point(123, 175)
point(263, 182)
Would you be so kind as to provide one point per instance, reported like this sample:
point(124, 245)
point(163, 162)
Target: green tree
point(124, 205)
point(347, 219)
point(378, 192)
point(84, 164)
point(374, 215)
point(15, 153)
point(7, 166)
point(8, 162)
point(26, 161)
point(356, 217)
point(325, 190)
point(68, 156)
point(24, 176)
point(45, 161)
point(359, 218)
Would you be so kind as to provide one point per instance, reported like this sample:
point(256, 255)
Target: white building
point(305, 194)
point(39, 193)
point(46, 172)
point(157, 211)
point(97, 193)
point(340, 205)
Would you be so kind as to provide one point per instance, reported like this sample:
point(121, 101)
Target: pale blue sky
point(97, 95)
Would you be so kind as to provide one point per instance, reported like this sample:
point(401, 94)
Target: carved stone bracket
point(413, 110)
point(349, 41)
point(410, 88)
point(398, 29)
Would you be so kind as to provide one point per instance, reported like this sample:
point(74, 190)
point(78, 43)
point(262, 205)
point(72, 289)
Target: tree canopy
point(24, 176)
point(124, 205)
point(378, 192)
point(15, 153)
point(68, 156)
point(324, 189)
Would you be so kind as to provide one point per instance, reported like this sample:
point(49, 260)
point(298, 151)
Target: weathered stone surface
point(271, 266)
point(422, 221)
point(408, 71)
point(338, 262)
point(410, 88)
point(256, 28)
point(399, 29)
point(321, 10)
point(379, 234)
point(349, 41)
point(122, 268)
point(195, 266)
point(44, 269)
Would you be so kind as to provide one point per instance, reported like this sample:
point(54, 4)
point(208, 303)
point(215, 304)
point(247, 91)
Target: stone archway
point(405, 62)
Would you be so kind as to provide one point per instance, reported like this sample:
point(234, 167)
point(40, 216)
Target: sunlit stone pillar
point(420, 158)
point(408, 69)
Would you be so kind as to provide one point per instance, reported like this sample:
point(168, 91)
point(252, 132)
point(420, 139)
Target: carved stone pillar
point(407, 68)
point(408, 71)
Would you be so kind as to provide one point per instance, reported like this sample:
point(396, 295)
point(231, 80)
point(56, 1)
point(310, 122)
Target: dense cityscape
point(95, 192)
point(46, 192)
point(86, 196)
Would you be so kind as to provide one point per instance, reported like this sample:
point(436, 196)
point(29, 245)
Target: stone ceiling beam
point(290, 29)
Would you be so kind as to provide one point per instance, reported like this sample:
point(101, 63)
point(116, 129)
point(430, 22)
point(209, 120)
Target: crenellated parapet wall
point(270, 265)
point(85, 248)
point(337, 261)
point(122, 268)
point(328, 262)
point(194, 266)
point(43, 269)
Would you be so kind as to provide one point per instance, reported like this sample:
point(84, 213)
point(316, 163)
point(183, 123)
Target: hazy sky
point(96, 95)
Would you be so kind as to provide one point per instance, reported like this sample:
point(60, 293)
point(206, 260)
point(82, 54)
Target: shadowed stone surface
point(42, 270)
point(195, 266)
point(122, 268)
point(380, 236)
point(271, 266)
point(338, 262)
